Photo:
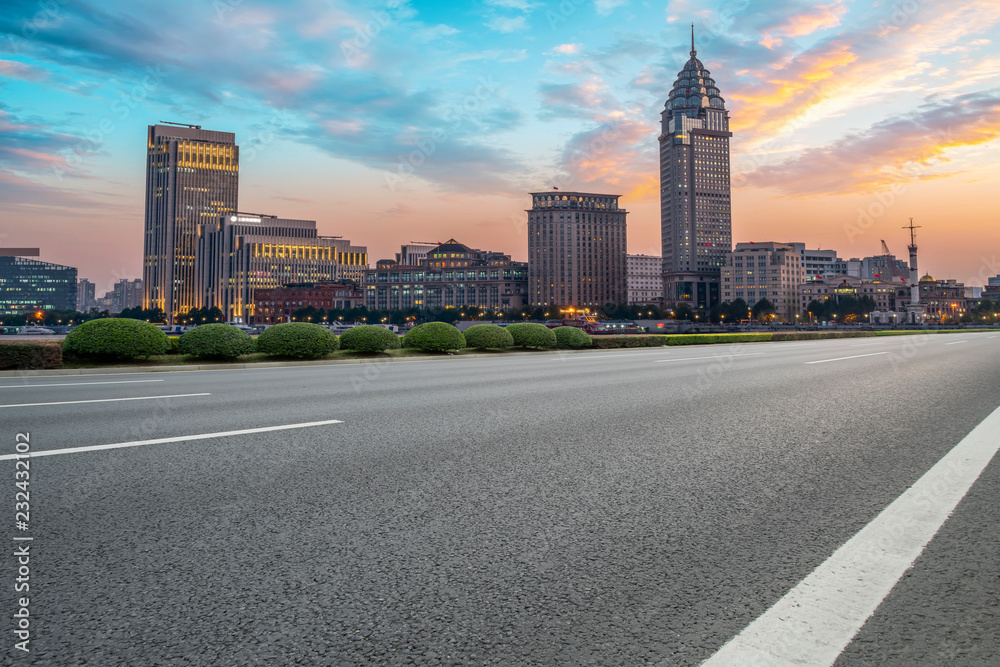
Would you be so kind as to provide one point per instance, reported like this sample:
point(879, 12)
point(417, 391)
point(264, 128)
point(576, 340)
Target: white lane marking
point(856, 356)
point(956, 342)
point(100, 400)
point(714, 356)
point(73, 384)
point(818, 618)
point(160, 441)
point(881, 342)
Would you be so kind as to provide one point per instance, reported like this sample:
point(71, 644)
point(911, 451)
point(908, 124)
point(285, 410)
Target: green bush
point(116, 338)
point(488, 337)
point(531, 334)
point(216, 341)
point(175, 344)
point(434, 337)
point(30, 355)
point(573, 337)
point(303, 340)
point(369, 338)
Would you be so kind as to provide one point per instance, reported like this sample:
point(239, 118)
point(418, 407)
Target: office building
point(29, 285)
point(695, 201)
point(451, 276)
point(772, 271)
point(576, 249)
point(644, 278)
point(192, 178)
point(274, 306)
point(238, 254)
point(411, 254)
point(126, 294)
point(819, 264)
point(888, 297)
point(86, 295)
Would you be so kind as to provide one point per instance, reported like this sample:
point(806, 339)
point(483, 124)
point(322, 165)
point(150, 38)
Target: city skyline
point(394, 122)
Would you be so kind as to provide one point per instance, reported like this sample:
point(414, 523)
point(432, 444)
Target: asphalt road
point(607, 507)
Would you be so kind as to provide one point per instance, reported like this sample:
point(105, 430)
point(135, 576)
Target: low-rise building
point(886, 295)
point(945, 300)
point(644, 277)
point(276, 305)
point(452, 275)
point(29, 285)
point(767, 270)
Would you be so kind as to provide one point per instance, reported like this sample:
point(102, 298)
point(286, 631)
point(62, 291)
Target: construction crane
point(891, 260)
point(188, 125)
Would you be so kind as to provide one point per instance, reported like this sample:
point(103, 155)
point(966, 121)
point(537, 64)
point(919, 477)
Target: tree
point(738, 311)
point(683, 312)
point(762, 310)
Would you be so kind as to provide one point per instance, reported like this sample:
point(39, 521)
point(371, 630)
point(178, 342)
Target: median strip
point(101, 400)
point(161, 441)
point(816, 620)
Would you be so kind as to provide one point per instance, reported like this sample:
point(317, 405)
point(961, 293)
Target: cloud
point(567, 49)
point(605, 7)
point(504, 24)
point(574, 100)
point(522, 5)
point(806, 22)
point(911, 148)
point(18, 70)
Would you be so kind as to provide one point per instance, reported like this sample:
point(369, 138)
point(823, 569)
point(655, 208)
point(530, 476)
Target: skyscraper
point(192, 177)
point(695, 209)
point(576, 249)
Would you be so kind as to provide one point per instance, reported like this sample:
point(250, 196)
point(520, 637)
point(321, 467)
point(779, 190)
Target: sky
point(399, 121)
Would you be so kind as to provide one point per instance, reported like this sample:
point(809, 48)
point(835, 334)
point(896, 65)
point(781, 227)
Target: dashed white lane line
point(161, 441)
point(714, 356)
point(101, 400)
point(818, 618)
point(956, 342)
point(74, 384)
point(855, 356)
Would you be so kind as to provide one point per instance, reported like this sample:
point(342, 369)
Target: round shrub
point(573, 337)
point(434, 337)
point(116, 338)
point(531, 334)
point(369, 338)
point(216, 341)
point(488, 336)
point(304, 340)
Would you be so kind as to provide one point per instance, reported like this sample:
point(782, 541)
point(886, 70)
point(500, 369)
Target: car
point(35, 331)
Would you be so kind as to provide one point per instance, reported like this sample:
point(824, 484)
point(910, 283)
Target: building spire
point(693, 52)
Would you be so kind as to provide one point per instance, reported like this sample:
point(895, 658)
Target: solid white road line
point(73, 384)
point(100, 400)
point(160, 441)
point(714, 356)
point(856, 356)
point(956, 342)
point(818, 618)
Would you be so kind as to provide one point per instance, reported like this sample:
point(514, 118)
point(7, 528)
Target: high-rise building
point(29, 285)
point(644, 276)
point(238, 254)
point(126, 294)
point(192, 178)
point(769, 270)
point(576, 249)
point(695, 204)
point(86, 295)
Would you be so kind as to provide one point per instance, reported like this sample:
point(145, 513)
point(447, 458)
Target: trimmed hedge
point(488, 337)
point(216, 341)
point(22, 356)
point(303, 340)
point(116, 338)
point(434, 337)
point(369, 338)
point(531, 334)
point(573, 337)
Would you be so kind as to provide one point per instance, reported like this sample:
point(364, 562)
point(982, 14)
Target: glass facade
point(30, 285)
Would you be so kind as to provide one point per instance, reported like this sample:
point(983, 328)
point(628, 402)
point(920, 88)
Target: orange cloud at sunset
point(820, 17)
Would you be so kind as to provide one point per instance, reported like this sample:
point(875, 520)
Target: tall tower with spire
point(695, 207)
